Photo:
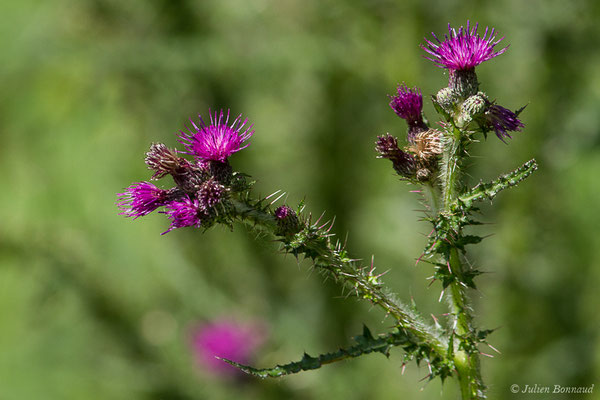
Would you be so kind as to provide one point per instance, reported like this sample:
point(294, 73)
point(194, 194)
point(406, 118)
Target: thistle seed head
point(427, 144)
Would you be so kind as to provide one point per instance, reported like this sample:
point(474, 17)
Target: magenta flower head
point(216, 141)
point(187, 212)
point(502, 120)
point(464, 49)
point(141, 199)
point(226, 339)
point(408, 105)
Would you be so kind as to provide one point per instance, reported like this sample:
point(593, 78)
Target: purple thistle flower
point(463, 50)
point(186, 212)
point(217, 141)
point(408, 105)
point(502, 120)
point(141, 199)
point(226, 339)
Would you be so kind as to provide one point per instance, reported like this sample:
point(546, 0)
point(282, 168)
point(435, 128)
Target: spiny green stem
point(450, 171)
point(250, 214)
point(459, 298)
point(329, 258)
point(432, 197)
point(467, 363)
point(366, 344)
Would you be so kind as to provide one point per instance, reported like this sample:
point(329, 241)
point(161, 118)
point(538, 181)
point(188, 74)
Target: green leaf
point(365, 344)
point(489, 190)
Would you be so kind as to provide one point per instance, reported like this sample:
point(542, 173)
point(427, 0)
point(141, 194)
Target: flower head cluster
point(464, 49)
point(460, 104)
point(216, 141)
point(201, 185)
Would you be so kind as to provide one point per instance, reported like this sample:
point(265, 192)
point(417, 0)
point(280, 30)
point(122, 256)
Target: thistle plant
point(208, 190)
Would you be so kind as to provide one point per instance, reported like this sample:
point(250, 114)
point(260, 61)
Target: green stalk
point(467, 364)
point(327, 257)
point(432, 197)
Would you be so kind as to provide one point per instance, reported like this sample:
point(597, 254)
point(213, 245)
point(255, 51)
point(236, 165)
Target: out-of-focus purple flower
point(226, 339)
point(502, 120)
point(216, 141)
point(186, 212)
point(464, 49)
point(141, 199)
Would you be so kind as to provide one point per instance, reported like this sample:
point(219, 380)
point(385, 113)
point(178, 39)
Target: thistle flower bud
point(447, 99)
point(463, 82)
point(287, 220)
point(472, 107)
point(210, 193)
point(475, 104)
point(403, 163)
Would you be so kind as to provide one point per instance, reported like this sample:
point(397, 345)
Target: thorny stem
point(450, 173)
point(467, 362)
point(343, 269)
point(431, 195)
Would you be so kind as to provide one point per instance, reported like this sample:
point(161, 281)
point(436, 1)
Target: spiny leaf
point(489, 190)
point(365, 344)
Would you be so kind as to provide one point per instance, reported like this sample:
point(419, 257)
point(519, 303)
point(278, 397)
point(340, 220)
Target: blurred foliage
point(96, 306)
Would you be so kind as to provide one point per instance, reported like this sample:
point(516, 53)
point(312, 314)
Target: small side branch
point(489, 190)
point(365, 344)
point(314, 242)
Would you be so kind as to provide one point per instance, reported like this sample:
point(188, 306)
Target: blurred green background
point(96, 306)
